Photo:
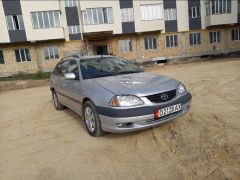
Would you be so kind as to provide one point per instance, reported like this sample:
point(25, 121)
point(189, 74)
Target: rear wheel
point(56, 102)
point(91, 119)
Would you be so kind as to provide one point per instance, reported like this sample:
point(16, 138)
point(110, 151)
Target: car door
point(59, 80)
point(72, 88)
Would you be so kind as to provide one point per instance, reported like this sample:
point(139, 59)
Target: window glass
point(171, 41)
point(46, 53)
point(34, 20)
point(150, 43)
point(10, 23)
point(73, 68)
point(57, 18)
point(100, 15)
point(51, 19)
point(20, 22)
point(64, 67)
point(125, 45)
point(170, 14)
point(17, 54)
point(51, 52)
point(1, 58)
point(107, 66)
point(40, 18)
point(46, 20)
point(151, 11)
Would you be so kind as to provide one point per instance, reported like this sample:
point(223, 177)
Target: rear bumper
point(134, 123)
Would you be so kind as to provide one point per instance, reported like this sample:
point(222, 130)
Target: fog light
point(120, 125)
point(124, 125)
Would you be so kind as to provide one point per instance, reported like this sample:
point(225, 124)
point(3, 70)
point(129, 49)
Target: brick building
point(34, 35)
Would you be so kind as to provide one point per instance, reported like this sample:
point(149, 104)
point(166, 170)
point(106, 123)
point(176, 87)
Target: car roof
point(81, 57)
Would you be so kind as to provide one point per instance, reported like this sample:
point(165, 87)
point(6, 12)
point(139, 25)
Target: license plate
point(169, 110)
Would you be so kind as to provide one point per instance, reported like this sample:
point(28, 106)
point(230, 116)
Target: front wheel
point(91, 119)
point(56, 102)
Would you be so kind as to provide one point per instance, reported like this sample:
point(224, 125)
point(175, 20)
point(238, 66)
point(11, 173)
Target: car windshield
point(107, 66)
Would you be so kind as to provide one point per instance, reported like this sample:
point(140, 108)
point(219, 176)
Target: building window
point(125, 45)
point(74, 29)
point(70, 3)
point(150, 43)
point(22, 55)
point(236, 34)
point(170, 14)
point(195, 38)
point(214, 37)
point(1, 58)
point(15, 22)
point(218, 7)
point(98, 16)
point(171, 41)
point(46, 19)
point(51, 52)
point(152, 12)
point(127, 15)
point(194, 12)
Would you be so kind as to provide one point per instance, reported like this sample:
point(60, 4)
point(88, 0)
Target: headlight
point(125, 101)
point(181, 89)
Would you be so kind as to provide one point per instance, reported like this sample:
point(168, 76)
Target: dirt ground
point(38, 142)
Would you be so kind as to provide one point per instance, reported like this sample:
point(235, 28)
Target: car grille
point(162, 97)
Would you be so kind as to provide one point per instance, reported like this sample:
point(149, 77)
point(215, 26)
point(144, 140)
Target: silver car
point(114, 95)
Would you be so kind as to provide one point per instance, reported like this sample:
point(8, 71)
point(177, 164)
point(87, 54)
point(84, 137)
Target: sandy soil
point(38, 142)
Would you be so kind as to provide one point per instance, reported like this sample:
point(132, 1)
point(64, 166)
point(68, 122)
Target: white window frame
point(20, 55)
point(150, 41)
point(124, 45)
point(196, 9)
point(3, 60)
point(215, 37)
point(151, 12)
point(236, 31)
point(172, 44)
point(74, 29)
point(127, 15)
point(13, 23)
point(50, 49)
point(70, 3)
point(216, 4)
point(195, 41)
point(40, 15)
point(170, 14)
point(89, 19)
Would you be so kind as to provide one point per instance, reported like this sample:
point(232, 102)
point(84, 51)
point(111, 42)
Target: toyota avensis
point(114, 95)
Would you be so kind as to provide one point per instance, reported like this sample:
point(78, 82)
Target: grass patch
point(23, 76)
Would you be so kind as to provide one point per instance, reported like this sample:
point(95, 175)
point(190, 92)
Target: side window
point(63, 68)
point(73, 68)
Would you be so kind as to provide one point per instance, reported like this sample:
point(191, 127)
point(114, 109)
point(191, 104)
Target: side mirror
point(142, 67)
point(69, 76)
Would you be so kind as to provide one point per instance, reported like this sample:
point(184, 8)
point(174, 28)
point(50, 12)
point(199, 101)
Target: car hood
point(139, 84)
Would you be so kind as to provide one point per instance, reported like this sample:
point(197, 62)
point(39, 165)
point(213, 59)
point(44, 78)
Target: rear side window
point(1, 58)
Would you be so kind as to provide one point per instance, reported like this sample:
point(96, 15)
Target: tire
point(56, 102)
point(91, 119)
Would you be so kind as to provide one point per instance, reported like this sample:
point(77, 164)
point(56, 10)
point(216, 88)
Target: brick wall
point(37, 56)
point(138, 49)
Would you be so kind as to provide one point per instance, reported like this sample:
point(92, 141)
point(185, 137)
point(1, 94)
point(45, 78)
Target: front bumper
point(137, 120)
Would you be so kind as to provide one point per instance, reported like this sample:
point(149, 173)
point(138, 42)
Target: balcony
point(45, 34)
point(220, 19)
